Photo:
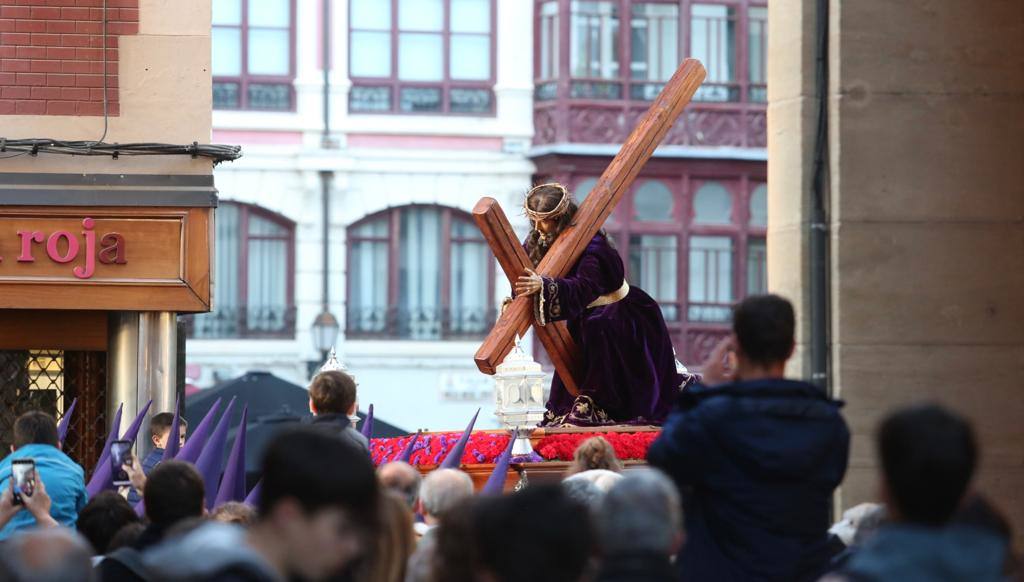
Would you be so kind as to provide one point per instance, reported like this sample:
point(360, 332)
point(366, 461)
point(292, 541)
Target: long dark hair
point(545, 199)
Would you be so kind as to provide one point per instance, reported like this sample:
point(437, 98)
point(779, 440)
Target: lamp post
point(325, 333)
point(519, 400)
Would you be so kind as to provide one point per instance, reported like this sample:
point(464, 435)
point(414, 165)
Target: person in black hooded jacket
point(756, 457)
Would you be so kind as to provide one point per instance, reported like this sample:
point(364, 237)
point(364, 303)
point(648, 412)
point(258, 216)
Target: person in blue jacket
point(35, 437)
point(756, 457)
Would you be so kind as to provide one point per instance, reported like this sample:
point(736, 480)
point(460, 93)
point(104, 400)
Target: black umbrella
point(263, 392)
point(273, 403)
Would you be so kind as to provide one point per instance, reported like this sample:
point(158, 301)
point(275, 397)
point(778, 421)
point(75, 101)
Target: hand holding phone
point(23, 476)
point(120, 455)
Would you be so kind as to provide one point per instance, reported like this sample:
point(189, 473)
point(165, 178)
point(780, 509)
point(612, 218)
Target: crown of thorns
point(559, 208)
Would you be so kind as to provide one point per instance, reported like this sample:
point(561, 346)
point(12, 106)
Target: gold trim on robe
point(613, 297)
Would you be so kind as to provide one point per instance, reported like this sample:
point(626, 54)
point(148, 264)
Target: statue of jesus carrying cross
point(613, 357)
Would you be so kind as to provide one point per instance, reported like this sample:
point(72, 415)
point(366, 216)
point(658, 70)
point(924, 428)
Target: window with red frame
point(255, 276)
point(419, 273)
point(684, 251)
point(650, 37)
point(253, 54)
point(422, 56)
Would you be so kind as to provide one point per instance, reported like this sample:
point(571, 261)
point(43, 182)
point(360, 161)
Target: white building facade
point(430, 109)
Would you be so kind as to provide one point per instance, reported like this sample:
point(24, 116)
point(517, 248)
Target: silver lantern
point(519, 399)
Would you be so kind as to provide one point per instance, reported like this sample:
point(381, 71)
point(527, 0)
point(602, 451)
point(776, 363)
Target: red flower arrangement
point(627, 445)
point(485, 447)
point(431, 449)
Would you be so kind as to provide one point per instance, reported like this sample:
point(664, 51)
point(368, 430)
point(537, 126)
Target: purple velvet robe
point(629, 373)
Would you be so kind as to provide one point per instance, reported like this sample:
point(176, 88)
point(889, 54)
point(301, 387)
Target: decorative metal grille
point(32, 380)
point(85, 375)
point(49, 380)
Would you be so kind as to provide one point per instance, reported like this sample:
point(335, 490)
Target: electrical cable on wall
point(218, 153)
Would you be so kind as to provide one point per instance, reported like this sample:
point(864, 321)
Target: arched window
point(419, 272)
point(653, 201)
point(712, 204)
point(253, 291)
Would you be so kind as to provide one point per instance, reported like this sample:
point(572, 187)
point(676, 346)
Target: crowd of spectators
point(739, 486)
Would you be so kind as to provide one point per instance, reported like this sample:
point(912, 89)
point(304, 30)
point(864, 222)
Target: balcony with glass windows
point(594, 87)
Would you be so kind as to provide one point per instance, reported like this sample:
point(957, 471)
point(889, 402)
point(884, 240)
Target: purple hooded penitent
point(253, 498)
point(174, 437)
point(368, 424)
point(454, 458)
point(410, 447)
point(232, 485)
point(115, 429)
point(194, 445)
point(103, 477)
point(496, 482)
point(211, 460)
point(62, 428)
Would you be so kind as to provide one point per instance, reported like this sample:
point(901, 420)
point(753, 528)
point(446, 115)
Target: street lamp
point(325, 332)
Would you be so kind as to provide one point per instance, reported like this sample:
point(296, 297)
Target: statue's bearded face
point(547, 227)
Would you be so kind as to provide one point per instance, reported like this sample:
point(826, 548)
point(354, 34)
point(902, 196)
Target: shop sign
point(105, 258)
point(62, 247)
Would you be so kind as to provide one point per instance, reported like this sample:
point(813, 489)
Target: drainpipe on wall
point(325, 142)
point(325, 48)
point(325, 319)
point(819, 223)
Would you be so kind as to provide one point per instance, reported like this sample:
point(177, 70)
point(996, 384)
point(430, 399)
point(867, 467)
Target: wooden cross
point(570, 244)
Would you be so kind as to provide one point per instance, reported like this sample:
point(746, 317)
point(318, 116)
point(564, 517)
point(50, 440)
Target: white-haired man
point(641, 528)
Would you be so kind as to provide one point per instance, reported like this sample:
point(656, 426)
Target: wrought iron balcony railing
point(418, 324)
point(242, 322)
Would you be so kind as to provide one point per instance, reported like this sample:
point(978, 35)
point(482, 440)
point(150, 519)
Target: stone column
point(141, 366)
point(792, 110)
point(926, 214)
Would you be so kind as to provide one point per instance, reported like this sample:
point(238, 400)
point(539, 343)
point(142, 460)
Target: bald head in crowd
point(403, 479)
point(442, 490)
point(46, 555)
point(641, 513)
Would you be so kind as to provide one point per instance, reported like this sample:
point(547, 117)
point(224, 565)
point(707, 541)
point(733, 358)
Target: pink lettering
point(89, 268)
point(63, 247)
point(27, 238)
point(54, 251)
point(113, 249)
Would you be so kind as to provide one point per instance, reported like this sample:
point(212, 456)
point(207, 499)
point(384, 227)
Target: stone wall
point(926, 214)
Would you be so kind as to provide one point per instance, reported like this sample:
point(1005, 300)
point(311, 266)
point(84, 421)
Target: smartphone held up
point(24, 475)
point(120, 455)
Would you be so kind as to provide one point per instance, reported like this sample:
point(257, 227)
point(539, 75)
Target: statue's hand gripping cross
point(570, 244)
